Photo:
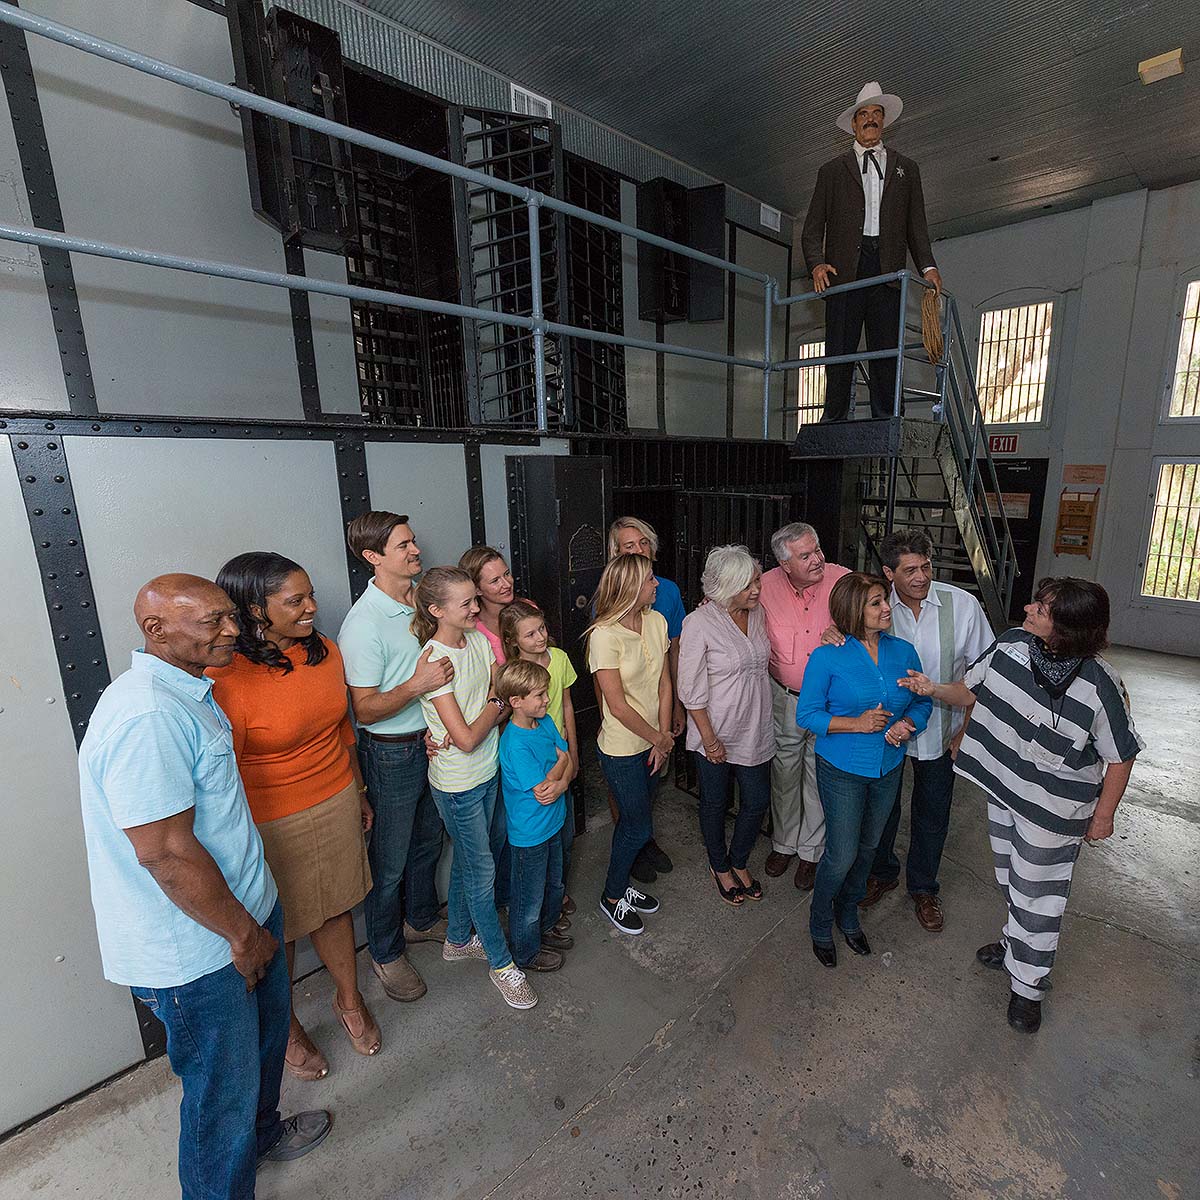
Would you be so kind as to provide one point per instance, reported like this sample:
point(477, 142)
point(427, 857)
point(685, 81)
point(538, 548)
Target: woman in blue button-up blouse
point(850, 699)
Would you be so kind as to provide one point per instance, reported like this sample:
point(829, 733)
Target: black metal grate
point(595, 298)
point(520, 150)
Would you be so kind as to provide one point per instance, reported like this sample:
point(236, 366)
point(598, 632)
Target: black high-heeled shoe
point(826, 955)
point(732, 896)
point(752, 890)
point(857, 942)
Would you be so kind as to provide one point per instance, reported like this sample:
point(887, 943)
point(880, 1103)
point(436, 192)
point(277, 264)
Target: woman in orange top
point(285, 696)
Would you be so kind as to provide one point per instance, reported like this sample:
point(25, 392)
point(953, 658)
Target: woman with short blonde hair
point(627, 654)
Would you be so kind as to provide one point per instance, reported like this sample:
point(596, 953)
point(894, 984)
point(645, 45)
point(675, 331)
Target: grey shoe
point(301, 1133)
point(400, 979)
point(472, 949)
point(435, 933)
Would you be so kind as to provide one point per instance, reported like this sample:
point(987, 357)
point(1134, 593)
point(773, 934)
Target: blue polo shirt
point(379, 650)
point(526, 757)
point(669, 602)
point(844, 681)
point(157, 745)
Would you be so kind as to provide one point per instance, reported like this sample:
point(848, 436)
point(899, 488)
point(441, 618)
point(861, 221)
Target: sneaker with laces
point(640, 900)
point(301, 1133)
point(473, 949)
point(514, 987)
point(623, 915)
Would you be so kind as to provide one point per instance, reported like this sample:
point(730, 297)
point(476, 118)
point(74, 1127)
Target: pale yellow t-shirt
point(641, 659)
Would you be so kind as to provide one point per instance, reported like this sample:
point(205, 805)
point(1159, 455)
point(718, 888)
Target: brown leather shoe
point(778, 863)
point(545, 960)
point(806, 875)
point(929, 913)
point(400, 979)
point(876, 889)
point(435, 933)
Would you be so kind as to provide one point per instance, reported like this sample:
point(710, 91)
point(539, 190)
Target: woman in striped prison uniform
point(1051, 741)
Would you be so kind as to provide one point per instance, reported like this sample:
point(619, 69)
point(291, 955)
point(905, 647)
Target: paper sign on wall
point(1076, 527)
point(1084, 473)
point(1016, 505)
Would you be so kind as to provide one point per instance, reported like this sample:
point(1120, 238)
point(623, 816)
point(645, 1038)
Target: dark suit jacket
point(833, 228)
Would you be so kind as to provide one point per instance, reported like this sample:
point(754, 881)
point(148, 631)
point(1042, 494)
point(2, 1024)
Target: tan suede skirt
point(319, 859)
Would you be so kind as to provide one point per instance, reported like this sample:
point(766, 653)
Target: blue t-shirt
point(157, 745)
point(526, 758)
point(669, 602)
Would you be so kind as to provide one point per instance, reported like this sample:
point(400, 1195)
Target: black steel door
point(1023, 485)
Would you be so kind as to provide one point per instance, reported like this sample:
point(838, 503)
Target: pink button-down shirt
point(795, 621)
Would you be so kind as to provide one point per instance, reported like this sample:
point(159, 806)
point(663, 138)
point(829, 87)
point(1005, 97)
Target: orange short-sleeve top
point(291, 732)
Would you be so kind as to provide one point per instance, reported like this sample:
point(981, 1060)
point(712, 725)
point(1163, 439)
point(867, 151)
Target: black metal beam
point(475, 494)
point(16, 74)
point(306, 356)
point(730, 319)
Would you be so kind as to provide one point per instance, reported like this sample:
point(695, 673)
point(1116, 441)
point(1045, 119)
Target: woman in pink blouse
point(723, 684)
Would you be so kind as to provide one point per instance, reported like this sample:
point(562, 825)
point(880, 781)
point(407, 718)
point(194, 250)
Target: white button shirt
point(872, 183)
point(950, 633)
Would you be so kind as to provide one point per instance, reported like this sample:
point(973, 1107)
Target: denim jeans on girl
point(404, 846)
point(472, 897)
point(856, 810)
point(227, 1046)
point(498, 834)
point(754, 797)
point(633, 788)
point(536, 896)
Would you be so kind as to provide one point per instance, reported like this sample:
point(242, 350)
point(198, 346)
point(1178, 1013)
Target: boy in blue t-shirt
point(535, 769)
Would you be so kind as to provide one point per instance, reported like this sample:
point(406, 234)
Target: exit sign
point(1003, 443)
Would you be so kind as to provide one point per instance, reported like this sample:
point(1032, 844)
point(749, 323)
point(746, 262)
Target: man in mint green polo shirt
point(387, 673)
point(186, 910)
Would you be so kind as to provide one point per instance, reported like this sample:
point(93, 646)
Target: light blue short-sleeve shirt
point(379, 650)
point(157, 745)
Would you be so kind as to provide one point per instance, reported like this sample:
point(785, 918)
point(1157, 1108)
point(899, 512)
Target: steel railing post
point(898, 399)
point(533, 204)
point(768, 365)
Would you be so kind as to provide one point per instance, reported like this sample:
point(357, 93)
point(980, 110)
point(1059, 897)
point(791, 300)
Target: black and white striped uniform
point(1042, 762)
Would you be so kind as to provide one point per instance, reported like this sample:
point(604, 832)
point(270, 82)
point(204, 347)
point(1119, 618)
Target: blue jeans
point(567, 834)
point(932, 792)
point(227, 1046)
point(472, 900)
point(754, 797)
point(537, 896)
point(856, 810)
point(498, 835)
point(633, 788)
point(404, 847)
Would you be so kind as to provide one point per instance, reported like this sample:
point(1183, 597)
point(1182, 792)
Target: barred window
point(810, 386)
point(1185, 389)
point(1173, 545)
point(1014, 358)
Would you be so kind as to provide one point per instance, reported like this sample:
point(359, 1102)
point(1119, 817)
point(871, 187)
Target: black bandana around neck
point(1054, 674)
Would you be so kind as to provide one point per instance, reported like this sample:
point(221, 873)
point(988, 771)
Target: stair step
point(909, 503)
point(926, 525)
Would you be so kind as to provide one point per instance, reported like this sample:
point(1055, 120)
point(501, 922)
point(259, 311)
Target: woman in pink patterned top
point(724, 685)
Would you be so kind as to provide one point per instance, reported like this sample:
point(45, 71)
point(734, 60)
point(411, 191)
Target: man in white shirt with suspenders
point(949, 629)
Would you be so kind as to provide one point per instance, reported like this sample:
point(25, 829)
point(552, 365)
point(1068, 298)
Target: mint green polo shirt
point(380, 651)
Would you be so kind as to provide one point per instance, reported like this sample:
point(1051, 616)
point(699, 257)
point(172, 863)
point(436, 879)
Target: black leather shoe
point(826, 955)
point(1023, 1014)
point(657, 857)
point(858, 942)
point(643, 870)
point(992, 956)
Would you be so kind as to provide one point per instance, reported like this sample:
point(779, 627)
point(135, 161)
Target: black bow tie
point(870, 157)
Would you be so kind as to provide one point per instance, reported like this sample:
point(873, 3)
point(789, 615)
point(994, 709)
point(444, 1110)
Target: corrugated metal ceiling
point(1011, 108)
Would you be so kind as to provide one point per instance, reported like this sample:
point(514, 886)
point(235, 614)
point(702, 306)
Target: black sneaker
point(1024, 1014)
point(992, 956)
point(643, 870)
point(640, 901)
point(301, 1133)
point(656, 856)
point(623, 915)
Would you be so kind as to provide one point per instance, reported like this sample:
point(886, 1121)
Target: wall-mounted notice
point(1016, 505)
point(1084, 473)
point(1076, 527)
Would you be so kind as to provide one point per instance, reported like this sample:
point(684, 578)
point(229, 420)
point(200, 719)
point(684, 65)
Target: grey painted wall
point(1114, 270)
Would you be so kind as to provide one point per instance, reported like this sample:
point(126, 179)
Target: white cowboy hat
point(872, 94)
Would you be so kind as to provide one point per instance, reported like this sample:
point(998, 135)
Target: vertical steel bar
point(539, 333)
point(898, 400)
point(768, 315)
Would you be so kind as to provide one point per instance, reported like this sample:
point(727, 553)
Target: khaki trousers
point(797, 818)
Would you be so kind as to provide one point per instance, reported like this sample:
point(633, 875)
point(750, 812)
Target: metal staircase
point(929, 469)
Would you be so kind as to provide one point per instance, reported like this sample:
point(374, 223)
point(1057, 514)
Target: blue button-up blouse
point(844, 681)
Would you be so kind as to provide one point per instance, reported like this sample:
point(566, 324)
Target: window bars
point(1173, 545)
point(1185, 386)
point(1014, 357)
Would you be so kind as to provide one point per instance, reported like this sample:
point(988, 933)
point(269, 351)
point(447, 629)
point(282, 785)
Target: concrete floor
point(713, 1057)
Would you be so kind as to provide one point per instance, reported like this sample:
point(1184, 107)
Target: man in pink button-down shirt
point(795, 597)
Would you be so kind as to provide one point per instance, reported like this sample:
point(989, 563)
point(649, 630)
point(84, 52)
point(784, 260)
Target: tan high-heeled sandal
point(369, 1039)
point(302, 1058)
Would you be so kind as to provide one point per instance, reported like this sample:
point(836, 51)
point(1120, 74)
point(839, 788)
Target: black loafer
point(858, 942)
point(657, 857)
point(1023, 1014)
point(992, 956)
point(826, 955)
